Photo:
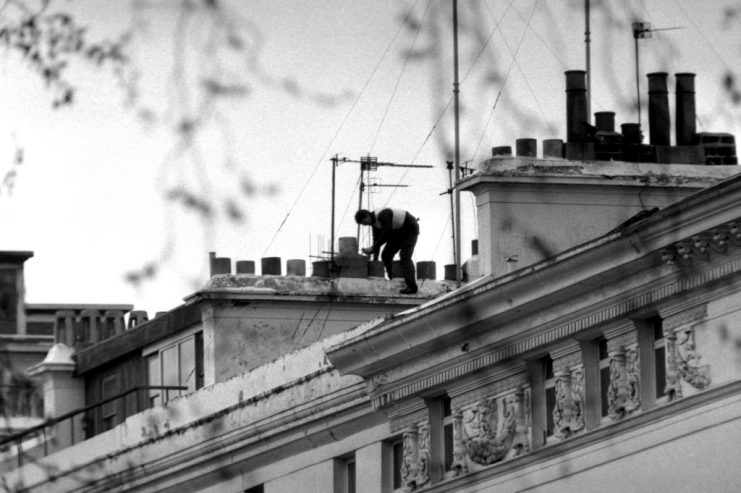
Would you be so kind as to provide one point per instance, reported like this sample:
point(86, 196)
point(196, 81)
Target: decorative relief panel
point(415, 465)
point(624, 390)
point(683, 363)
point(568, 413)
point(491, 429)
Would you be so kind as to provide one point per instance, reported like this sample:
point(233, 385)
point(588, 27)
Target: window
point(550, 395)
point(178, 365)
point(652, 354)
point(447, 433)
point(108, 389)
point(604, 375)
point(397, 461)
point(351, 476)
point(345, 477)
point(659, 348)
point(153, 370)
point(543, 400)
point(441, 437)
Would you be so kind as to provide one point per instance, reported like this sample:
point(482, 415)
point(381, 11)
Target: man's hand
point(367, 250)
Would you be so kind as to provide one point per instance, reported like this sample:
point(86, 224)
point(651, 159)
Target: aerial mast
point(587, 42)
point(456, 192)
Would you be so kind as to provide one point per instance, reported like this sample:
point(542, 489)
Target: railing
point(41, 429)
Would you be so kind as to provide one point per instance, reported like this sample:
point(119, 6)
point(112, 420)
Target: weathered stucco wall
point(530, 209)
point(248, 336)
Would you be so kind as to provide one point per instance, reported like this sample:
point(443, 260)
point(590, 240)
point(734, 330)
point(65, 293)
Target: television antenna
point(642, 30)
point(367, 163)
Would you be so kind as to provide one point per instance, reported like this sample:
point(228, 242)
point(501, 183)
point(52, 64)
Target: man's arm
point(382, 234)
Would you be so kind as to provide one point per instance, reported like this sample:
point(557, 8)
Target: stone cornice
point(521, 169)
point(492, 302)
point(517, 347)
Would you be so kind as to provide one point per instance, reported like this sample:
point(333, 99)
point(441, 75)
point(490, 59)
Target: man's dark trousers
point(403, 242)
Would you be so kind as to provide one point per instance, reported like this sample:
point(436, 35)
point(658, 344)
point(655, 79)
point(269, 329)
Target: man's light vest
point(397, 220)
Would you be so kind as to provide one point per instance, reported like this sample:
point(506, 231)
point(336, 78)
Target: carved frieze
point(624, 390)
point(416, 461)
point(683, 363)
point(568, 412)
point(492, 429)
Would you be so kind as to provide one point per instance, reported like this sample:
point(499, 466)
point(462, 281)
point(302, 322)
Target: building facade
point(597, 348)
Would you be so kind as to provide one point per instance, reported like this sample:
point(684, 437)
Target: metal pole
point(331, 248)
point(587, 42)
point(456, 192)
point(638, 82)
point(360, 198)
point(452, 208)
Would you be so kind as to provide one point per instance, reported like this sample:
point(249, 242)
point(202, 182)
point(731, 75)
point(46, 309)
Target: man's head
point(364, 217)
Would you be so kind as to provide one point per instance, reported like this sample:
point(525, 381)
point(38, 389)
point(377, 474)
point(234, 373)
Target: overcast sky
point(301, 81)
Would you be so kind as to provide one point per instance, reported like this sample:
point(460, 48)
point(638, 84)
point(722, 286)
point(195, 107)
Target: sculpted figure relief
point(494, 429)
point(623, 393)
point(683, 363)
point(414, 468)
point(568, 413)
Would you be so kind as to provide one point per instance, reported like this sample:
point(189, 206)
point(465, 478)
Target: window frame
point(153, 356)
point(394, 461)
point(345, 474)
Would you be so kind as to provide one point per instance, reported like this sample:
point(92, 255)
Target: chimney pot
point(576, 105)
point(271, 266)
point(631, 133)
point(501, 151)
point(221, 265)
point(526, 147)
point(347, 245)
point(320, 269)
point(658, 109)
point(426, 270)
point(685, 109)
point(245, 266)
point(296, 267)
point(553, 148)
point(605, 121)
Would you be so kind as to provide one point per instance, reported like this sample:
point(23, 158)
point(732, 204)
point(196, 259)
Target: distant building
point(26, 335)
point(595, 346)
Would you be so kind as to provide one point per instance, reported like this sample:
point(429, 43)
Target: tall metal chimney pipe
point(658, 109)
point(685, 109)
point(576, 105)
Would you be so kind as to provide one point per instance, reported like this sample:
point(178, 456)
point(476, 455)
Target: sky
point(237, 111)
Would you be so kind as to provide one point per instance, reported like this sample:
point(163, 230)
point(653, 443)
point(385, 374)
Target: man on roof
point(398, 230)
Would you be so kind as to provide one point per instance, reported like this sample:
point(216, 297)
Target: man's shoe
point(408, 290)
